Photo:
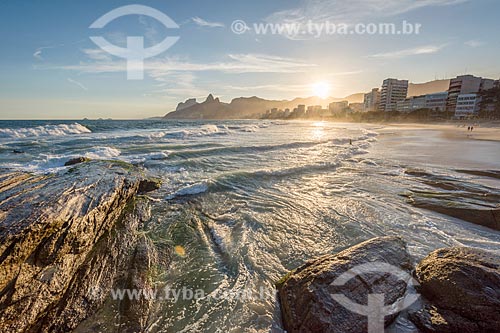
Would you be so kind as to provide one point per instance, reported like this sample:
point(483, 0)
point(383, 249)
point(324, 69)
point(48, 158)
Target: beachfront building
point(418, 102)
point(404, 105)
point(299, 111)
point(314, 111)
point(462, 85)
point(371, 100)
point(338, 107)
point(393, 91)
point(356, 107)
point(467, 106)
point(411, 104)
point(437, 101)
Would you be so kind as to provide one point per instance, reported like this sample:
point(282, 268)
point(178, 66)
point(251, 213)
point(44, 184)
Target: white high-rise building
point(372, 100)
point(393, 91)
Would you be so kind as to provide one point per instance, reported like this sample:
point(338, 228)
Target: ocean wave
point(205, 130)
point(250, 128)
point(46, 130)
point(141, 158)
point(49, 163)
point(99, 153)
point(246, 149)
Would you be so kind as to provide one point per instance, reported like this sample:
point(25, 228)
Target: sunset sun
point(321, 89)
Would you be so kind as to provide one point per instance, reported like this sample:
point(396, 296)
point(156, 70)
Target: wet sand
point(485, 132)
point(441, 145)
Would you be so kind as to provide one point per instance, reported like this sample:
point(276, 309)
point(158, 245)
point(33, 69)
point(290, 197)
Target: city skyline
point(51, 68)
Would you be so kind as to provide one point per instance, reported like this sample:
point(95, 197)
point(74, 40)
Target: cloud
point(474, 43)
point(203, 23)
point(428, 49)
point(97, 54)
point(70, 80)
point(38, 52)
point(352, 10)
point(270, 87)
point(234, 64)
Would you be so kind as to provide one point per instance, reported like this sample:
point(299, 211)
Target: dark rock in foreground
point(463, 285)
point(305, 293)
point(65, 241)
point(147, 185)
point(76, 160)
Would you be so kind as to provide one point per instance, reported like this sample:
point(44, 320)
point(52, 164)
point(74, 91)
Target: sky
point(51, 69)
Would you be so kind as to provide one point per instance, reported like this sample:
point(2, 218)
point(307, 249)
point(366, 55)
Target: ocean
point(249, 200)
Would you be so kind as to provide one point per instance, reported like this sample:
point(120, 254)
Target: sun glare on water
point(321, 89)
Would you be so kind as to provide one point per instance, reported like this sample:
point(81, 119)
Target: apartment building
point(371, 100)
point(393, 91)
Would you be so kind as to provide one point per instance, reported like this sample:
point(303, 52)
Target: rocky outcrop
point(188, 103)
point(469, 202)
point(305, 293)
point(148, 185)
point(211, 108)
point(76, 160)
point(65, 241)
point(482, 173)
point(463, 288)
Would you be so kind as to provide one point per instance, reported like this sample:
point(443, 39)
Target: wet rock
point(463, 288)
point(148, 185)
point(65, 240)
point(453, 197)
point(139, 260)
point(76, 160)
point(482, 173)
point(448, 205)
point(305, 293)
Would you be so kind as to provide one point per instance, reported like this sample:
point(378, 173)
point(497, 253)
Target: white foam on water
point(50, 163)
point(46, 130)
point(141, 158)
point(192, 189)
point(100, 153)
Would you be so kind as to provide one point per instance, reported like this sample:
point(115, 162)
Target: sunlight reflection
point(318, 131)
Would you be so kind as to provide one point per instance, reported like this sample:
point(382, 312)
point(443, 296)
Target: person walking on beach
point(471, 128)
point(468, 128)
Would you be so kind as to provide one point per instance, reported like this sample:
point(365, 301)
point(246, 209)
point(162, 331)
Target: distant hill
point(211, 108)
point(417, 89)
point(246, 107)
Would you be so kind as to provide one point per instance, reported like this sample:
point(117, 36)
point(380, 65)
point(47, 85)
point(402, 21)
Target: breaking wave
point(46, 130)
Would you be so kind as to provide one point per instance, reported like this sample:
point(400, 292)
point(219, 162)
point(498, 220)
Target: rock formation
point(187, 104)
point(76, 160)
point(472, 203)
point(463, 288)
point(460, 288)
point(305, 293)
point(65, 241)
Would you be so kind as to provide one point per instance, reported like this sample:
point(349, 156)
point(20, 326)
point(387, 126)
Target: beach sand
point(441, 145)
point(482, 131)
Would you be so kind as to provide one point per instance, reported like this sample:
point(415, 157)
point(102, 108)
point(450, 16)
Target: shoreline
point(481, 132)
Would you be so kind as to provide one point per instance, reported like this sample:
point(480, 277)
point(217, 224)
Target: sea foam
point(46, 130)
point(192, 189)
